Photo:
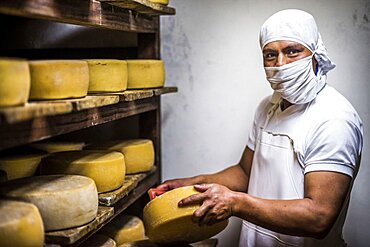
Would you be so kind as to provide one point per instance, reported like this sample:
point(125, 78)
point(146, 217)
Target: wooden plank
point(81, 12)
point(36, 129)
point(164, 90)
point(70, 236)
point(143, 6)
point(33, 110)
point(92, 101)
point(131, 182)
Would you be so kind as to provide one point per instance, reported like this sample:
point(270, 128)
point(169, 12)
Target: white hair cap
point(298, 26)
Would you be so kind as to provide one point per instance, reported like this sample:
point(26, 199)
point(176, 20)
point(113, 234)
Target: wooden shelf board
point(82, 12)
point(130, 183)
point(70, 236)
point(143, 6)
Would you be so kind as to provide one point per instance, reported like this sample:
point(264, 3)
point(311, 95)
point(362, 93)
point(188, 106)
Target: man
point(292, 184)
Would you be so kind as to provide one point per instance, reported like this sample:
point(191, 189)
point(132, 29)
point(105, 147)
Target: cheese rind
point(20, 165)
point(124, 229)
point(20, 224)
point(99, 240)
point(63, 201)
point(107, 75)
point(106, 168)
point(58, 79)
point(54, 147)
point(165, 222)
point(139, 153)
point(145, 74)
point(15, 82)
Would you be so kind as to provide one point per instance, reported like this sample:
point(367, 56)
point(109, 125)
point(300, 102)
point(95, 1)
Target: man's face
point(280, 52)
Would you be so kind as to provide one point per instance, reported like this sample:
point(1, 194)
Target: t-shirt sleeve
point(334, 146)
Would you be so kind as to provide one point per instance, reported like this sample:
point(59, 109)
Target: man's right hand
point(175, 183)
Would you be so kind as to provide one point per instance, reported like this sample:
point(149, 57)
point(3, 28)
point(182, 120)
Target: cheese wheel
point(139, 153)
point(163, 2)
point(22, 163)
point(63, 201)
point(54, 147)
point(20, 225)
point(3, 176)
point(107, 75)
point(15, 82)
point(166, 223)
point(58, 79)
point(99, 240)
point(145, 74)
point(124, 229)
point(106, 168)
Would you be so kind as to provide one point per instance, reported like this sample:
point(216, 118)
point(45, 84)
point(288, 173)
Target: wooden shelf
point(40, 120)
point(84, 12)
point(142, 6)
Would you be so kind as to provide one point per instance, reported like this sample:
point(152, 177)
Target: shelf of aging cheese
point(43, 119)
point(124, 15)
point(110, 205)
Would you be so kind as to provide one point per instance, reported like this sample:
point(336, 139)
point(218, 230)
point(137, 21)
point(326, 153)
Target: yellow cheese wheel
point(163, 2)
point(58, 79)
point(20, 225)
point(125, 228)
point(139, 153)
point(15, 82)
point(99, 240)
point(166, 223)
point(63, 201)
point(53, 147)
point(3, 176)
point(106, 168)
point(145, 74)
point(107, 75)
point(22, 163)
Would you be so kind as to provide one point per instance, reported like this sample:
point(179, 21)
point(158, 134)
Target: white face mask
point(296, 82)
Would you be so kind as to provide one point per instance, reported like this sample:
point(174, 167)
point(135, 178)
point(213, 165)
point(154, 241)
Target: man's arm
point(235, 177)
point(311, 216)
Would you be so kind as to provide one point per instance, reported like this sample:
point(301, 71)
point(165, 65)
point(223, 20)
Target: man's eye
point(292, 52)
point(269, 56)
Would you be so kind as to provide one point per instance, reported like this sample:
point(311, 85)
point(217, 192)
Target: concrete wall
point(212, 54)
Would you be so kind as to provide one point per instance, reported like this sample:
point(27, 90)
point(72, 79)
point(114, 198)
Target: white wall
point(212, 54)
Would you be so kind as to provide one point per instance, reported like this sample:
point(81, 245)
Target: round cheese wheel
point(124, 229)
point(15, 82)
point(139, 153)
point(22, 163)
point(107, 75)
point(145, 74)
point(63, 201)
point(20, 225)
point(58, 79)
point(99, 240)
point(54, 147)
point(106, 168)
point(163, 2)
point(165, 222)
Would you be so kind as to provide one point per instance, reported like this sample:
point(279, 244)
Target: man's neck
point(285, 104)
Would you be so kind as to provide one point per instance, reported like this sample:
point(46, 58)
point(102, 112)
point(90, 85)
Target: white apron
point(277, 174)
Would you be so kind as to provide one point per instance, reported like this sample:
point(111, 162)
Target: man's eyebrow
point(295, 46)
point(268, 50)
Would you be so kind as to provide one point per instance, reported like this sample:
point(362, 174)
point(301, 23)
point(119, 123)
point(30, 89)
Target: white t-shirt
point(327, 132)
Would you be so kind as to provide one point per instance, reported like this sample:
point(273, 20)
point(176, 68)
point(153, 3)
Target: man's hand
point(216, 203)
point(175, 183)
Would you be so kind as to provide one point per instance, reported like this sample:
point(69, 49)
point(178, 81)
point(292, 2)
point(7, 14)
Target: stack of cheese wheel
point(124, 229)
point(163, 2)
point(58, 79)
point(106, 168)
point(14, 82)
point(145, 74)
point(64, 201)
point(138, 153)
point(107, 75)
point(99, 240)
point(58, 146)
point(166, 223)
point(21, 163)
point(20, 225)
